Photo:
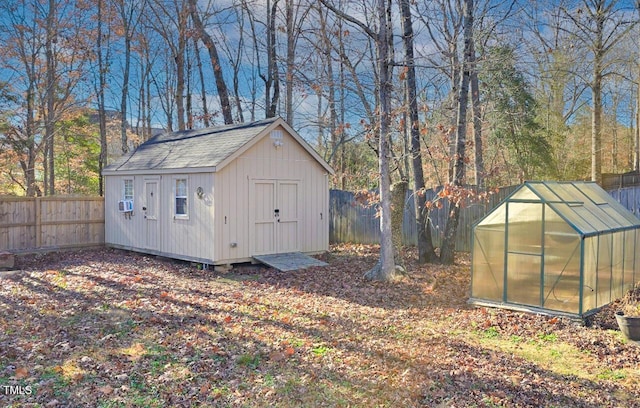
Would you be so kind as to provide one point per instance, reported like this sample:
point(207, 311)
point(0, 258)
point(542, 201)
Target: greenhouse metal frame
point(565, 248)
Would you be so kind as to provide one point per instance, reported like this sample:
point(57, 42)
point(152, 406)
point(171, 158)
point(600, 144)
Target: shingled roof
point(209, 148)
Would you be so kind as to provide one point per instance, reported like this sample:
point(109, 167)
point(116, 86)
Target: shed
point(557, 247)
point(220, 195)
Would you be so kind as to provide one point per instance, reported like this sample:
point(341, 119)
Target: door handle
point(276, 213)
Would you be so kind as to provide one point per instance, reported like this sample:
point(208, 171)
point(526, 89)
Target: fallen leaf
point(204, 388)
point(21, 373)
point(106, 390)
point(277, 356)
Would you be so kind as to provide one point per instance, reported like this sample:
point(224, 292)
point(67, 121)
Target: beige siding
point(118, 229)
point(263, 161)
point(188, 238)
point(221, 233)
point(192, 237)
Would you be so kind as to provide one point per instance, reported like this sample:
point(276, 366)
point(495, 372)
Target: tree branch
point(350, 19)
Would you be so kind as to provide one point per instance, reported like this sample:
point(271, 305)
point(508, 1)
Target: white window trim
point(175, 197)
point(124, 188)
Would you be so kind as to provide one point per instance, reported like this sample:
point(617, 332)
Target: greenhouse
point(555, 247)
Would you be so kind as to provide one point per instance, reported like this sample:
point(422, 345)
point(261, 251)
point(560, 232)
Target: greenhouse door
point(524, 253)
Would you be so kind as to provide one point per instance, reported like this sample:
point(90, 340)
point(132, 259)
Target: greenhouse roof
point(584, 205)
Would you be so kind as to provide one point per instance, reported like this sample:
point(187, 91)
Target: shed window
point(181, 208)
point(127, 189)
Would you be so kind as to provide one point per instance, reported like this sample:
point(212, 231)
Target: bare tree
point(326, 50)
point(448, 245)
point(221, 85)
point(385, 269)
point(21, 50)
point(599, 25)
point(426, 251)
point(129, 13)
point(478, 163)
point(50, 96)
point(271, 79)
point(203, 89)
point(296, 13)
point(170, 21)
point(636, 135)
point(443, 20)
point(102, 56)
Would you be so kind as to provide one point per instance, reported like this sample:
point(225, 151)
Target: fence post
point(38, 210)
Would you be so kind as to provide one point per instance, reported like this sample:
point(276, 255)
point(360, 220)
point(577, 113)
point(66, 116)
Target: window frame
point(125, 181)
point(185, 197)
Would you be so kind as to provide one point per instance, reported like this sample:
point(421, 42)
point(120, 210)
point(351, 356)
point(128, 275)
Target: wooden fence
point(50, 222)
point(349, 221)
point(611, 182)
point(70, 221)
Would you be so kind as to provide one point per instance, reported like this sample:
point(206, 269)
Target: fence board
point(67, 222)
point(351, 222)
point(50, 222)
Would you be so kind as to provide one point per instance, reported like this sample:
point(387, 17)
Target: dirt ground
point(110, 328)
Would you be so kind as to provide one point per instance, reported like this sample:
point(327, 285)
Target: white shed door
point(150, 211)
point(275, 217)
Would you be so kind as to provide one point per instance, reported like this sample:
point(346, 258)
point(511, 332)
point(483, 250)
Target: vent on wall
point(125, 205)
point(276, 137)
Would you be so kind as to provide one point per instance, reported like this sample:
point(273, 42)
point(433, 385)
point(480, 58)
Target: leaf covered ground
point(110, 328)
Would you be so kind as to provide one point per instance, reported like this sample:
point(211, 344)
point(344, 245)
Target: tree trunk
point(449, 241)
point(291, 54)
point(180, 74)
point(271, 80)
point(29, 166)
point(426, 252)
point(398, 195)
point(49, 115)
point(385, 269)
point(148, 90)
point(477, 122)
point(236, 65)
point(203, 89)
point(221, 86)
point(596, 123)
point(596, 94)
point(102, 84)
point(636, 135)
point(125, 91)
point(331, 91)
point(455, 94)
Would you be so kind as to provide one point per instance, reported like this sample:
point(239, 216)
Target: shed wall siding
point(190, 238)
point(263, 161)
point(121, 230)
